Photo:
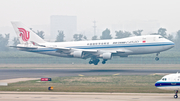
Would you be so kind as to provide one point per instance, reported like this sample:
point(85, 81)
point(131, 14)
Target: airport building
point(67, 24)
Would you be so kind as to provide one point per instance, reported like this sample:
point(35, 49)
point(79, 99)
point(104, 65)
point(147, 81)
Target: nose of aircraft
point(156, 84)
point(171, 44)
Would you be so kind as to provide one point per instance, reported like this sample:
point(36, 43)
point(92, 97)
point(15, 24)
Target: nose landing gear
point(157, 58)
point(176, 96)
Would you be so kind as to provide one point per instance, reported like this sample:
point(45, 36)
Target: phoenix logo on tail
point(24, 34)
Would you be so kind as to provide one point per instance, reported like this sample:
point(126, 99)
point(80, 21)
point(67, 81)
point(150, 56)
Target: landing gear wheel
point(103, 62)
point(90, 62)
point(175, 96)
point(157, 59)
point(96, 61)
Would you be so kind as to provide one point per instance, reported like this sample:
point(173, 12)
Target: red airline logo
point(144, 41)
point(24, 34)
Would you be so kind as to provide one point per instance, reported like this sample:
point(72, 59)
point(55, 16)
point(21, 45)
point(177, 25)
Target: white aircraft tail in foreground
point(93, 49)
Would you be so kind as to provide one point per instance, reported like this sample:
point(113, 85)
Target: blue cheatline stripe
point(123, 45)
point(108, 46)
point(166, 84)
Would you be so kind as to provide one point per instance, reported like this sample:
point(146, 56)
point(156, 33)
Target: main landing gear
point(94, 61)
point(157, 58)
point(176, 96)
point(104, 61)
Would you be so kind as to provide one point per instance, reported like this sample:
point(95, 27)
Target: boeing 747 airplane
point(93, 49)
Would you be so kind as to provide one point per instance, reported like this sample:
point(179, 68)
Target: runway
point(76, 96)
point(40, 73)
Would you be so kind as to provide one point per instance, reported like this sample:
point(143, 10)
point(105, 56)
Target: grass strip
point(120, 83)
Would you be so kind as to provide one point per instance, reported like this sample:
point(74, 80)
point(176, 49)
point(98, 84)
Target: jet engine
point(77, 54)
point(107, 56)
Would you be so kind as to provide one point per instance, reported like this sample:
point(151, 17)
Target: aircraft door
point(154, 38)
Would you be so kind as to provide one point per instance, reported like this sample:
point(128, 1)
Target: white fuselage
point(169, 82)
point(131, 46)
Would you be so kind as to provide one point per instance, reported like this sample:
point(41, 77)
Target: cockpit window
point(164, 79)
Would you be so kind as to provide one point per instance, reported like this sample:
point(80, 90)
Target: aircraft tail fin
point(25, 34)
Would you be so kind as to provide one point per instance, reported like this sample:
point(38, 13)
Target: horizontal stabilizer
point(36, 44)
point(23, 47)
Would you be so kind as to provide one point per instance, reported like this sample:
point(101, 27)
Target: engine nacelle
point(77, 54)
point(107, 56)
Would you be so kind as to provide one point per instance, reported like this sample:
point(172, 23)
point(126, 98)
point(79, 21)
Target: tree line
point(106, 34)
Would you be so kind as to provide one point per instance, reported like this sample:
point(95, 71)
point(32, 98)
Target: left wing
point(85, 52)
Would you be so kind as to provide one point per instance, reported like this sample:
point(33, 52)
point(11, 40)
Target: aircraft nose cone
point(171, 44)
point(157, 84)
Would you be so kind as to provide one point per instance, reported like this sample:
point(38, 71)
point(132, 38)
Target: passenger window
point(90, 43)
point(108, 43)
point(87, 43)
point(114, 42)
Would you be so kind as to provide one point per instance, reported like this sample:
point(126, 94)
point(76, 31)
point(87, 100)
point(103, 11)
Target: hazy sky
point(105, 12)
